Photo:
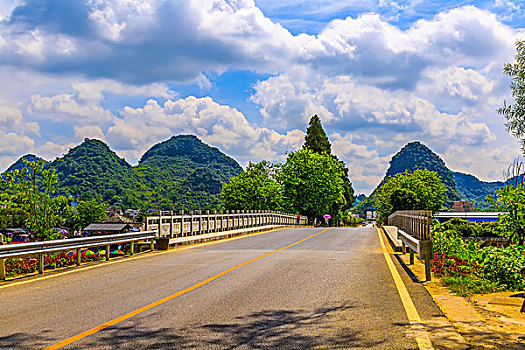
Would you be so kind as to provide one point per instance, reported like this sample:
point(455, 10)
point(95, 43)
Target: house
point(108, 228)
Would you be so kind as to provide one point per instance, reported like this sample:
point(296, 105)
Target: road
point(333, 290)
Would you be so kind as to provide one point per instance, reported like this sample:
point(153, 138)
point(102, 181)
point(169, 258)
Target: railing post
point(181, 213)
point(191, 222)
point(132, 248)
point(79, 256)
point(107, 252)
point(159, 225)
point(41, 263)
point(171, 223)
point(2, 270)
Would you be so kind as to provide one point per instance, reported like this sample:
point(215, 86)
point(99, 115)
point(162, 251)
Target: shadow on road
point(25, 341)
point(269, 329)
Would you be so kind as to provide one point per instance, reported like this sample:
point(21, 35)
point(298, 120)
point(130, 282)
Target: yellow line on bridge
point(168, 298)
point(422, 338)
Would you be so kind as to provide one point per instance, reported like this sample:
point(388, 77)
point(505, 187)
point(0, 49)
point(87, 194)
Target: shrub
point(448, 265)
point(502, 265)
point(24, 266)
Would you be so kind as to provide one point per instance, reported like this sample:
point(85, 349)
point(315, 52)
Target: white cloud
point(375, 85)
point(219, 125)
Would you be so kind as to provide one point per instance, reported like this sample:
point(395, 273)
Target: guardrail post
point(132, 248)
point(41, 263)
point(107, 252)
point(2, 270)
point(411, 257)
point(79, 256)
point(152, 244)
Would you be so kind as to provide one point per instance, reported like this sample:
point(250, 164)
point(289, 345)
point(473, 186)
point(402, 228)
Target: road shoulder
point(481, 324)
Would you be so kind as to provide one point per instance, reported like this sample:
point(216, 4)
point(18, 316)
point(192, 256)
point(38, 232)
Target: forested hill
point(460, 186)
point(473, 190)
point(19, 164)
point(180, 173)
point(414, 156)
point(186, 171)
point(93, 170)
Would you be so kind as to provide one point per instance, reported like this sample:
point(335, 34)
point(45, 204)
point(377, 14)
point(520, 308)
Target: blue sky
point(246, 76)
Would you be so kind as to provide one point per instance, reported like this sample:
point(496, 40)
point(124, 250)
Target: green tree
point(255, 188)
point(418, 190)
point(312, 183)
point(31, 190)
point(515, 113)
point(510, 200)
point(316, 139)
point(87, 212)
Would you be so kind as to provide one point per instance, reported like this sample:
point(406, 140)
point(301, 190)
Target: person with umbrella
point(326, 218)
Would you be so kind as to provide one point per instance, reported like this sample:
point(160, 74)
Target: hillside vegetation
point(459, 186)
point(180, 173)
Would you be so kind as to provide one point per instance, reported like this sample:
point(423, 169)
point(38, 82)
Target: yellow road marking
point(138, 256)
point(422, 338)
point(168, 298)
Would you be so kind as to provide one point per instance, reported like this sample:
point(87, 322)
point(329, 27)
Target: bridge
point(285, 288)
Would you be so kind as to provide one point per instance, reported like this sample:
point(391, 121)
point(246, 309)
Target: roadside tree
point(421, 190)
point(317, 141)
point(87, 212)
point(255, 188)
point(515, 113)
point(312, 183)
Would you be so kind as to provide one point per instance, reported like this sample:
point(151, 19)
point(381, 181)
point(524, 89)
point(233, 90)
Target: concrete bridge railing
point(168, 225)
point(414, 228)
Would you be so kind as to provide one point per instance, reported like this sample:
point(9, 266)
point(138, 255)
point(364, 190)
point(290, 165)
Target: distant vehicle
point(20, 238)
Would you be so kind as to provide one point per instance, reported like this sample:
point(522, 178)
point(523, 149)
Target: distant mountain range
point(416, 155)
point(185, 173)
point(180, 173)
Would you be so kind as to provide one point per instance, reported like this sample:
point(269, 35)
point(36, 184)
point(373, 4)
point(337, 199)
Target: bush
point(451, 266)
point(470, 229)
point(502, 266)
point(488, 266)
point(24, 266)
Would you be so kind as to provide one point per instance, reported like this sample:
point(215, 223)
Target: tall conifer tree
point(316, 139)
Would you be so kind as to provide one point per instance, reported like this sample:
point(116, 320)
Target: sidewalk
point(490, 321)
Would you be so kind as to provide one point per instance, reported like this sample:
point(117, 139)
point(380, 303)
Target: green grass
point(465, 286)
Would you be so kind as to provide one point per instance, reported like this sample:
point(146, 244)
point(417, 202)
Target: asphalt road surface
point(333, 291)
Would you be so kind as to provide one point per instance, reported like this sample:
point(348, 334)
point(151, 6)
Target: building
point(464, 207)
point(475, 216)
point(107, 229)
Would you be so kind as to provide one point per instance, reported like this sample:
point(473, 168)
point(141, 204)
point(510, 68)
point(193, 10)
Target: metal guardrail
point(414, 228)
point(41, 248)
point(198, 222)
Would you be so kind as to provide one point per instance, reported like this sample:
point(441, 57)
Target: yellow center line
point(168, 298)
point(422, 338)
point(130, 258)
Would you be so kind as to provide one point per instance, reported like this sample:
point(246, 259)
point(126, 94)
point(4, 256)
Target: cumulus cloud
point(349, 106)
point(376, 85)
point(141, 41)
point(137, 129)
